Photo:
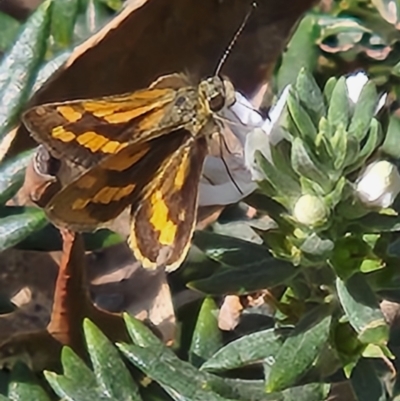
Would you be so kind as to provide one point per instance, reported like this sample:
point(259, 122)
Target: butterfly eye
point(217, 102)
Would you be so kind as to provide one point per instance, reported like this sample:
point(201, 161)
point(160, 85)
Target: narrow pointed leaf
point(328, 88)
point(362, 309)
point(12, 175)
point(20, 65)
point(301, 119)
point(75, 369)
point(306, 165)
point(139, 333)
point(366, 382)
point(47, 69)
point(364, 111)
point(282, 183)
point(68, 389)
point(207, 337)
point(254, 390)
point(300, 350)
point(9, 29)
point(391, 144)
point(310, 96)
point(63, 19)
point(24, 386)
point(230, 251)
point(111, 373)
point(18, 223)
point(179, 378)
point(113, 4)
point(338, 111)
point(246, 350)
point(301, 52)
point(268, 273)
point(370, 145)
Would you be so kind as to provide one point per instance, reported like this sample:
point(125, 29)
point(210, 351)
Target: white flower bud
point(310, 210)
point(379, 185)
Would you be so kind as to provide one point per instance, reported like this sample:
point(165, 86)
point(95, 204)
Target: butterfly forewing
point(86, 131)
point(104, 191)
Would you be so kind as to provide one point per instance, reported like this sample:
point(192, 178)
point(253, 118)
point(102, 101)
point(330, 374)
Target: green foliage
point(331, 272)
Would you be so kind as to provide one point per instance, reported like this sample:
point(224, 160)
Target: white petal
point(241, 117)
point(379, 184)
point(355, 84)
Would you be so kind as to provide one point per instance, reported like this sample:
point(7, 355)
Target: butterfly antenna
point(222, 140)
point(234, 39)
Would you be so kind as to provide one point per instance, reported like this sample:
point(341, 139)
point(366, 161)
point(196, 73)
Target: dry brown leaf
point(229, 314)
point(141, 44)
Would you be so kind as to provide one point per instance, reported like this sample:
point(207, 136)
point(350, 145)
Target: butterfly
point(144, 150)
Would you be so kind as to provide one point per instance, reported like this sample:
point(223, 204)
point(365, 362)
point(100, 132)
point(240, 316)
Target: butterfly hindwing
point(164, 219)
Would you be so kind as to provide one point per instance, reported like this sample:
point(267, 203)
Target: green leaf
point(75, 369)
point(139, 333)
point(301, 119)
point(283, 184)
point(19, 66)
point(6, 306)
point(113, 4)
point(370, 145)
point(254, 390)
point(230, 251)
point(111, 374)
point(306, 165)
point(352, 153)
point(377, 223)
point(24, 386)
point(180, 379)
point(310, 96)
point(307, 392)
point(328, 88)
point(49, 68)
point(207, 337)
point(364, 111)
point(9, 29)
point(48, 239)
point(111, 381)
point(338, 111)
point(72, 391)
point(366, 383)
point(339, 143)
point(18, 223)
point(317, 246)
point(362, 309)
point(301, 52)
point(95, 17)
point(247, 279)
point(63, 19)
point(12, 174)
point(391, 144)
point(305, 343)
point(246, 266)
point(246, 350)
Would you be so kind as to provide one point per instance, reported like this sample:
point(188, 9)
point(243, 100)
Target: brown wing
point(85, 131)
point(105, 190)
point(163, 219)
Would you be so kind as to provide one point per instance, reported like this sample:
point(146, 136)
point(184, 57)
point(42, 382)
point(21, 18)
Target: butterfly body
point(145, 150)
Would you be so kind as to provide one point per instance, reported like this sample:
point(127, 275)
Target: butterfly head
point(218, 92)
